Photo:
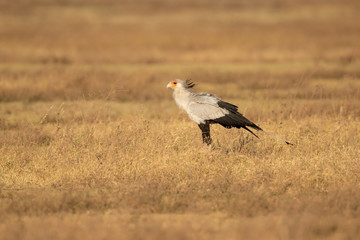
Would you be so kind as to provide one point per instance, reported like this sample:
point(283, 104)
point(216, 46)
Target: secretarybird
point(205, 109)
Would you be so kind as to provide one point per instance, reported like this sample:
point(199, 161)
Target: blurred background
point(92, 146)
point(127, 50)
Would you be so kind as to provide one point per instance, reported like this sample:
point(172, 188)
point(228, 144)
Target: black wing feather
point(234, 118)
point(228, 106)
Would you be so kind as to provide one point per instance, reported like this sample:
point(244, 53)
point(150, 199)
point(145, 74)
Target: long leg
point(205, 130)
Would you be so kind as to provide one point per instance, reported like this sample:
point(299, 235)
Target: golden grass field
point(92, 145)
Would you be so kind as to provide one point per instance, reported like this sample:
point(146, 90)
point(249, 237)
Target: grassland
point(92, 145)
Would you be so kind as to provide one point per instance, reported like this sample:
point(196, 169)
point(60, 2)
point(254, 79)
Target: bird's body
point(199, 106)
point(205, 109)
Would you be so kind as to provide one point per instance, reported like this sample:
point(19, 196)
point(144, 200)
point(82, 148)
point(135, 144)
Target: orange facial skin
point(172, 84)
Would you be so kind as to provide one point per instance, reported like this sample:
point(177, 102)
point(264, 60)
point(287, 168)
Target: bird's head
point(177, 83)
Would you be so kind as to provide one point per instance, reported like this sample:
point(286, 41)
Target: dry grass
point(92, 145)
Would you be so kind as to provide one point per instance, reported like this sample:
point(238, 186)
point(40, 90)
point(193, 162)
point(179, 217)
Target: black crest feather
point(189, 83)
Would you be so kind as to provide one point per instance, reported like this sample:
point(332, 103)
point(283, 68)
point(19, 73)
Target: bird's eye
point(174, 83)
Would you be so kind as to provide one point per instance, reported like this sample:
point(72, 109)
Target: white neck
point(181, 97)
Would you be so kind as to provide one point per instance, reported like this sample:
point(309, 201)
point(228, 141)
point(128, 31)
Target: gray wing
point(205, 106)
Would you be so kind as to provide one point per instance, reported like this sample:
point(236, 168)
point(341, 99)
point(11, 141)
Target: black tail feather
point(236, 119)
point(250, 131)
